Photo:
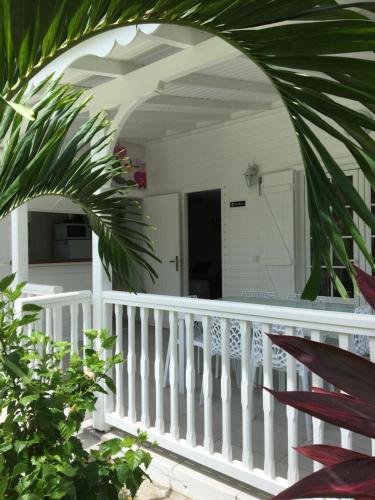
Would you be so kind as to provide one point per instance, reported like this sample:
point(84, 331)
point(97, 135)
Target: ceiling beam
point(222, 83)
point(104, 66)
point(180, 37)
point(145, 80)
point(209, 105)
point(172, 117)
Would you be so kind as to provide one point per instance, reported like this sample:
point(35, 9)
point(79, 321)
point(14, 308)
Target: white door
point(276, 238)
point(164, 213)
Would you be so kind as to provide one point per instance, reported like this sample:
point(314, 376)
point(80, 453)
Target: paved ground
point(154, 491)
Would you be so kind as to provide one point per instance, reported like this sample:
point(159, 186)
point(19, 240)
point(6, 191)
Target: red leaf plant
point(346, 473)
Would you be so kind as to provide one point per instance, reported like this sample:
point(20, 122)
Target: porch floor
point(331, 433)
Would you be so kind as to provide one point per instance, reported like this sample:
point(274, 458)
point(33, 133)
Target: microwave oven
point(71, 231)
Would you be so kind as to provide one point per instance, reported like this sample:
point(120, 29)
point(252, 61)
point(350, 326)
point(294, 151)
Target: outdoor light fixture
point(251, 175)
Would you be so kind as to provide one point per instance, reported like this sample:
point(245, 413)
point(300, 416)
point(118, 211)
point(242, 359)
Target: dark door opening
point(204, 232)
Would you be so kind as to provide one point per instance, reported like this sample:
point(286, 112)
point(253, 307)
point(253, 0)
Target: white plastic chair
point(361, 343)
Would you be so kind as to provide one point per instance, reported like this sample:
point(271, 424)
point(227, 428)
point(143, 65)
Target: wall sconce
point(251, 175)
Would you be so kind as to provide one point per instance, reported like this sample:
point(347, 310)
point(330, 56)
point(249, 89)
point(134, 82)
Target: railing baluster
point(190, 380)
point(132, 412)
point(145, 362)
point(372, 358)
point(268, 405)
point(246, 400)
point(207, 385)
point(108, 319)
point(74, 327)
point(226, 392)
point(159, 365)
point(57, 323)
point(173, 374)
point(292, 416)
point(120, 408)
point(49, 322)
point(86, 320)
point(346, 435)
point(318, 425)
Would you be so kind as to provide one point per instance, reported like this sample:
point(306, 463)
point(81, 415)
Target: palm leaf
point(46, 161)
point(302, 45)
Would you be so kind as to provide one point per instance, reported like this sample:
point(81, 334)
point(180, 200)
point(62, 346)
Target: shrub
point(42, 408)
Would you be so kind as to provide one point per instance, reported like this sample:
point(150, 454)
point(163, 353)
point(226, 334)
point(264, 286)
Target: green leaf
point(31, 308)
point(22, 110)
point(6, 282)
point(26, 400)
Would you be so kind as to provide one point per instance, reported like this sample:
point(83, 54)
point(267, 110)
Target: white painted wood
point(210, 106)
point(317, 424)
point(109, 399)
point(190, 380)
point(57, 323)
point(207, 385)
point(159, 368)
point(225, 83)
point(144, 369)
point(164, 213)
point(86, 321)
point(226, 391)
point(346, 436)
point(146, 80)
point(268, 405)
point(74, 327)
point(100, 282)
point(120, 368)
point(173, 374)
point(181, 355)
point(372, 358)
point(292, 417)
point(131, 362)
point(277, 233)
point(20, 246)
point(246, 400)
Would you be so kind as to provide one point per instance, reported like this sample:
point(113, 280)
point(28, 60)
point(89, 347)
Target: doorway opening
point(204, 235)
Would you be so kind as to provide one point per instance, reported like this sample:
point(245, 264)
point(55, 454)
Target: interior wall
point(216, 158)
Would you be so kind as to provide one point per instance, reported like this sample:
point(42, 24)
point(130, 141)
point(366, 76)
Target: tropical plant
point(42, 408)
point(347, 473)
point(46, 156)
point(308, 48)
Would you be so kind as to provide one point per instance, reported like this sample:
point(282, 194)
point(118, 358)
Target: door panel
point(164, 213)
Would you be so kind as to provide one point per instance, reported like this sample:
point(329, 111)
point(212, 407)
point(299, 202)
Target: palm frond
point(308, 48)
point(52, 159)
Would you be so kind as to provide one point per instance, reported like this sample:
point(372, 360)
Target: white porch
point(219, 433)
point(198, 113)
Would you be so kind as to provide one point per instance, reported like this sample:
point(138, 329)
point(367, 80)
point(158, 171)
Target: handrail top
point(65, 298)
point(313, 319)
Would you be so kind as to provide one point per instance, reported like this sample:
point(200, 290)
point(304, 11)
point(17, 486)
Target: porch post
point(100, 283)
point(20, 243)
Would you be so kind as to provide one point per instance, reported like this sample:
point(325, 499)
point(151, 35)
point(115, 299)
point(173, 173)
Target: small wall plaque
point(237, 204)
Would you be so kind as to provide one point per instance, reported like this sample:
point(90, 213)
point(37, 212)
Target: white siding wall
point(216, 158)
point(209, 158)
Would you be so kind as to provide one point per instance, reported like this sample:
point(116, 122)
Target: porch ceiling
point(214, 94)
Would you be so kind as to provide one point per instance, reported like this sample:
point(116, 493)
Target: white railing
point(75, 305)
point(37, 290)
point(146, 324)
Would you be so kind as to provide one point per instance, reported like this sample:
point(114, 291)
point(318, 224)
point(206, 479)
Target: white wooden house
point(198, 112)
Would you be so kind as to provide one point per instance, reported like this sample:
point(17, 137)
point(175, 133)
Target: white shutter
point(277, 229)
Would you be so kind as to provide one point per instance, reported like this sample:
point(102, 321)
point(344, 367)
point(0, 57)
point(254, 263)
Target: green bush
point(42, 408)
